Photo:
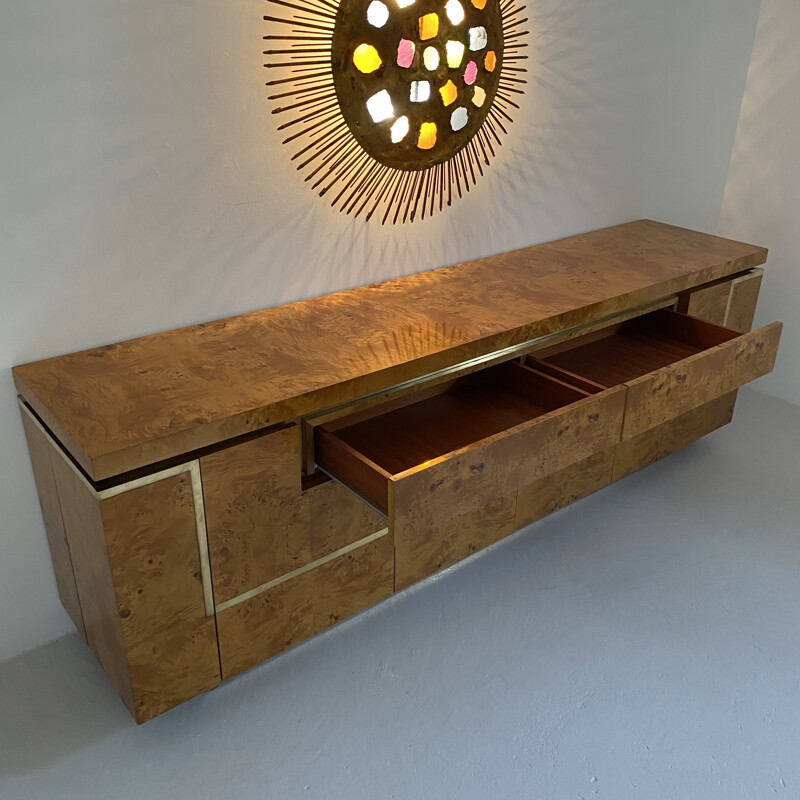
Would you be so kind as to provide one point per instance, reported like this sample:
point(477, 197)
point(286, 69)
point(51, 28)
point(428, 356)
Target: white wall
point(142, 186)
point(762, 197)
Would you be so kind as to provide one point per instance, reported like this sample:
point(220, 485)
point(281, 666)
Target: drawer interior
point(633, 348)
point(420, 428)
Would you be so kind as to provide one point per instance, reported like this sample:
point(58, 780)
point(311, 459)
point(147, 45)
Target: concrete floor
point(643, 643)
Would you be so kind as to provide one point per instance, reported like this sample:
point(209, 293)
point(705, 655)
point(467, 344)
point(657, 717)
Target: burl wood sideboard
point(216, 494)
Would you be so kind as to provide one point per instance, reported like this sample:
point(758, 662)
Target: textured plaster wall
point(762, 196)
point(142, 186)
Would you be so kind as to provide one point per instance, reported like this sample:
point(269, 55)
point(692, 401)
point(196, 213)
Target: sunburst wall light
point(395, 106)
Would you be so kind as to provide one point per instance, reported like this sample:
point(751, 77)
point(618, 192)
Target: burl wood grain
point(653, 444)
point(709, 303)
point(295, 610)
point(471, 478)
point(137, 574)
point(545, 495)
point(41, 452)
point(262, 525)
point(131, 404)
point(425, 503)
point(452, 539)
point(170, 644)
point(83, 525)
point(743, 299)
point(691, 382)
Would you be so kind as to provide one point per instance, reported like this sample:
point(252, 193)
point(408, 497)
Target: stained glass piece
point(470, 73)
point(458, 119)
point(430, 58)
point(479, 4)
point(420, 91)
point(428, 26)
point(479, 96)
point(455, 53)
point(448, 93)
point(380, 106)
point(405, 53)
point(427, 136)
point(366, 58)
point(399, 130)
point(490, 62)
point(477, 38)
point(454, 11)
point(407, 3)
point(377, 14)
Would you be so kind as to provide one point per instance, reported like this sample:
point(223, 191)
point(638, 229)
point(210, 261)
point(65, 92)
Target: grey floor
point(643, 643)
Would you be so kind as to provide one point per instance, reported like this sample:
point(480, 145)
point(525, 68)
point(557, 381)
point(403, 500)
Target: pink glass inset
point(470, 73)
point(405, 53)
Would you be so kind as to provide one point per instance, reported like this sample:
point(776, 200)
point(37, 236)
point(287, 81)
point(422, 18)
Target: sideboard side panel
point(743, 299)
point(83, 525)
point(42, 452)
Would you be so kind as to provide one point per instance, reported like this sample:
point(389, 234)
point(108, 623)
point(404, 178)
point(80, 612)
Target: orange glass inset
point(490, 62)
point(449, 93)
point(428, 26)
point(427, 135)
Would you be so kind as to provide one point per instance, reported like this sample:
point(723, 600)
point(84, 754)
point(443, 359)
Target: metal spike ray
point(323, 145)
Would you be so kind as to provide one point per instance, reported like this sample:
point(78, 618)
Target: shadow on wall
point(762, 196)
point(563, 168)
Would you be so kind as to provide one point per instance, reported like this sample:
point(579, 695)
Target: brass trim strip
point(235, 601)
point(505, 354)
point(192, 467)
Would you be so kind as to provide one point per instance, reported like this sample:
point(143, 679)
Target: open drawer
point(669, 362)
point(463, 444)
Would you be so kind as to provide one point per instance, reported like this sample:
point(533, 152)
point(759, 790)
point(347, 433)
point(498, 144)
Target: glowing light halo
point(406, 159)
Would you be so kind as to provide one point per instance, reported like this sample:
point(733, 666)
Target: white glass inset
point(458, 119)
point(420, 91)
point(380, 106)
point(430, 58)
point(399, 130)
point(477, 38)
point(454, 11)
point(377, 14)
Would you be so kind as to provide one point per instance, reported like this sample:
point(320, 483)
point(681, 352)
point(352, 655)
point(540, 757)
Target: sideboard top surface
point(127, 405)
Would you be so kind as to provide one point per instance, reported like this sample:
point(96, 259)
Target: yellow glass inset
point(479, 4)
point(366, 58)
point(479, 96)
point(427, 135)
point(448, 93)
point(455, 53)
point(428, 26)
point(490, 62)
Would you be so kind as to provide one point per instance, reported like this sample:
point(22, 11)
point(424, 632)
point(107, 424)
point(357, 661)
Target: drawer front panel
point(545, 495)
point(430, 508)
point(292, 611)
point(472, 478)
point(691, 382)
point(421, 550)
point(658, 442)
point(262, 525)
